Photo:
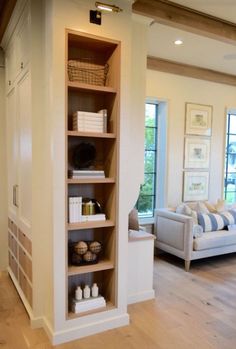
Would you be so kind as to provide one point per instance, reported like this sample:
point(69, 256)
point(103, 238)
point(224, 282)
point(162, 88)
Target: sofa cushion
point(133, 219)
point(214, 239)
point(211, 221)
point(221, 205)
point(184, 209)
point(187, 211)
point(200, 207)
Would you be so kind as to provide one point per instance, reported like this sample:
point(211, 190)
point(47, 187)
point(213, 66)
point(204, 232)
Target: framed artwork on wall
point(197, 152)
point(195, 186)
point(198, 119)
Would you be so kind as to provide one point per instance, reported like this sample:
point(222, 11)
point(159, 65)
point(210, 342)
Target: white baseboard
point(89, 329)
point(42, 322)
point(140, 297)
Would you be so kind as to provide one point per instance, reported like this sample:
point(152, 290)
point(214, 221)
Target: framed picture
point(198, 119)
point(195, 186)
point(197, 152)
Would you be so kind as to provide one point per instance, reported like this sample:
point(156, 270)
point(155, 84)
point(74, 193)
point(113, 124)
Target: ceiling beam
point(181, 17)
point(5, 16)
point(191, 71)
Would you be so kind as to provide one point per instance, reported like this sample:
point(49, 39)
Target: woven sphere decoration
point(81, 247)
point(76, 259)
point(89, 256)
point(95, 247)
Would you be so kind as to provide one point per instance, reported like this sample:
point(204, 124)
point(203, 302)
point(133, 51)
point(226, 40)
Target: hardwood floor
point(191, 310)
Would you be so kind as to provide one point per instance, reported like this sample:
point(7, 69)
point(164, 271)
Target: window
point(230, 159)
point(147, 198)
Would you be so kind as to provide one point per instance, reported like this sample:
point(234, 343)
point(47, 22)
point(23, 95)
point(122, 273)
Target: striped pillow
point(213, 221)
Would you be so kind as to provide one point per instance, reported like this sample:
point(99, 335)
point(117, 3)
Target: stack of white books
point(90, 122)
point(88, 304)
point(93, 217)
point(75, 212)
point(75, 209)
point(83, 174)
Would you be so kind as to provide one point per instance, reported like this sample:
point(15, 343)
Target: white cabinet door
point(25, 153)
point(10, 63)
point(22, 40)
point(12, 151)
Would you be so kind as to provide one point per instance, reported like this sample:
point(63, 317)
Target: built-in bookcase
point(91, 98)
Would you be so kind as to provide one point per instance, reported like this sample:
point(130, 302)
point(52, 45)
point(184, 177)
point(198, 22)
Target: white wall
point(177, 90)
point(3, 182)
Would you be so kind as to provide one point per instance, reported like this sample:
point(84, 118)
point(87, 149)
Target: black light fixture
point(106, 7)
point(95, 17)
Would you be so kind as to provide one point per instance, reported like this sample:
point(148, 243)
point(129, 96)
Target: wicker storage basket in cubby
point(85, 71)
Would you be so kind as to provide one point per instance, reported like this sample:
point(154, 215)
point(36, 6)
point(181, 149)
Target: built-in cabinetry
point(40, 144)
point(20, 261)
point(140, 266)
point(88, 97)
point(19, 157)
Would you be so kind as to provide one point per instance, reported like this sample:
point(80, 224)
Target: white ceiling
point(225, 9)
point(196, 50)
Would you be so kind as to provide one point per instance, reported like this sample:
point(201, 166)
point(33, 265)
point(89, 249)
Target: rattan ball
point(95, 247)
point(81, 247)
point(89, 256)
point(76, 258)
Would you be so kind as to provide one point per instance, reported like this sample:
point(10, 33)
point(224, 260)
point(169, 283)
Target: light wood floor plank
point(194, 310)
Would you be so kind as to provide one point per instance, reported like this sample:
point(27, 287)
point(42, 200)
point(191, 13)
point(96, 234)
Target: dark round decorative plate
point(84, 155)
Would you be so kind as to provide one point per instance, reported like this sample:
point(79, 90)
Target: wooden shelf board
point(109, 306)
point(90, 225)
point(90, 134)
point(90, 180)
point(91, 268)
point(87, 87)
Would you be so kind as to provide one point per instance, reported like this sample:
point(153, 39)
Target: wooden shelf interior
point(92, 101)
point(105, 280)
point(106, 236)
point(92, 98)
point(97, 51)
point(105, 153)
point(90, 225)
point(103, 193)
point(90, 134)
point(91, 180)
point(109, 306)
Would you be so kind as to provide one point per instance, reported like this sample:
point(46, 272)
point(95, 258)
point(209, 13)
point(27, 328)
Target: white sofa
point(174, 234)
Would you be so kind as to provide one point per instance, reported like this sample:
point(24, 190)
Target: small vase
point(78, 293)
point(86, 292)
point(94, 290)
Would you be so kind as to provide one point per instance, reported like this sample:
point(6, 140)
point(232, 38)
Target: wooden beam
point(191, 71)
point(181, 17)
point(6, 15)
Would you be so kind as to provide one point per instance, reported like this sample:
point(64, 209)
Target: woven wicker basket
point(86, 72)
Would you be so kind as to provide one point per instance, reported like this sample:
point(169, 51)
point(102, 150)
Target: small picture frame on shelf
point(198, 119)
point(195, 186)
point(196, 153)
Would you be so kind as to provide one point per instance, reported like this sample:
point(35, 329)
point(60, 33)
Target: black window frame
point(154, 150)
point(229, 176)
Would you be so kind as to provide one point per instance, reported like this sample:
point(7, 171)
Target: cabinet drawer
point(25, 263)
point(25, 286)
point(25, 241)
point(12, 226)
point(13, 265)
point(12, 243)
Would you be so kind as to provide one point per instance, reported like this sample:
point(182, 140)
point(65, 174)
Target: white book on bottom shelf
point(88, 304)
